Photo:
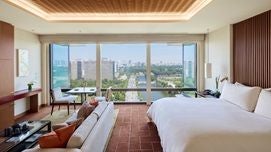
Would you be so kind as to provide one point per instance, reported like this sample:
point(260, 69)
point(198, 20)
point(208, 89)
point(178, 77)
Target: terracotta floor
point(132, 133)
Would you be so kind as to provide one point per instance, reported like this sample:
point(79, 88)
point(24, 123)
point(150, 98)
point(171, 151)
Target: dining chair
point(107, 96)
point(59, 99)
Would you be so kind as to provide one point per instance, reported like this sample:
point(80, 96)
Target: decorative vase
point(29, 87)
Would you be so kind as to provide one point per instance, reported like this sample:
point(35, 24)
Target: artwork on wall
point(22, 62)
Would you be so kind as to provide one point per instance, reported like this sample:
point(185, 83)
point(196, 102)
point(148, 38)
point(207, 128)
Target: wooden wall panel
point(6, 72)
point(252, 52)
point(6, 41)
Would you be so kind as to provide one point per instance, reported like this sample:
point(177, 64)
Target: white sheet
point(209, 125)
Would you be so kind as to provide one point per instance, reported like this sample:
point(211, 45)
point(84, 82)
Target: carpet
point(61, 116)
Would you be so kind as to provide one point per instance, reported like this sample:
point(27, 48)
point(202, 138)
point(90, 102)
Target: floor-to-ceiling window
point(60, 74)
point(166, 68)
point(123, 67)
point(83, 65)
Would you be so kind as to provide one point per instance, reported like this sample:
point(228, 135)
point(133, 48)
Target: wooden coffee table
point(25, 140)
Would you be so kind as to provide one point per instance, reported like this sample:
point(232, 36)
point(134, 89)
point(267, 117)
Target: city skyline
point(160, 52)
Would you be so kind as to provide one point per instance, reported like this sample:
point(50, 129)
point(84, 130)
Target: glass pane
point(166, 68)
point(83, 65)
point(190, 65)
point(60, 66)
point(124, 66)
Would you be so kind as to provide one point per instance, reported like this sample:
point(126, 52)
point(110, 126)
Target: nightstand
point(201, 94)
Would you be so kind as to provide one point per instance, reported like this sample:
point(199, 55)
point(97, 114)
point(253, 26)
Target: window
point(189, 52)
point(83, 65)
point(166, 68)
point(124, 67)
point(72, 65)
point(60, 74)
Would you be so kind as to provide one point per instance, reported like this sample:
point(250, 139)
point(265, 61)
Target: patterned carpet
point(133, 132)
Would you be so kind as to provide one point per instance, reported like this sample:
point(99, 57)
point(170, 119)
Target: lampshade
point(208, 70)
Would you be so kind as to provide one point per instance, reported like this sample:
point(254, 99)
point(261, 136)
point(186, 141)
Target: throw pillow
point(85, 110)
point(57, 138)
point(94, 102)
point(60, 125)
point(77, 122)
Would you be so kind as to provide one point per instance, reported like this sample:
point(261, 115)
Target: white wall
point(30, 42)
point(219, 55)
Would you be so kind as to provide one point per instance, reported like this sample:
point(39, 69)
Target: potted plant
point(30, 85)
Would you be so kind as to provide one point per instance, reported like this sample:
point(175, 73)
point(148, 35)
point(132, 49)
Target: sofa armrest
point(38, 149)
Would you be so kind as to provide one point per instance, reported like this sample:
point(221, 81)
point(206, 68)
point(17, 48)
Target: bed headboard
point(252, 51)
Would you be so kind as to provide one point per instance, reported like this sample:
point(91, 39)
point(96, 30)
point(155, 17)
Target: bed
point(209, 125)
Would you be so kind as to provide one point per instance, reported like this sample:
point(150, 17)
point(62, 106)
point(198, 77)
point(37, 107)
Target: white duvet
point(209, 125)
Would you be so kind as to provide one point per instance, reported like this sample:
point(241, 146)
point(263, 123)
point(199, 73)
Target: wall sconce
point(208, 70)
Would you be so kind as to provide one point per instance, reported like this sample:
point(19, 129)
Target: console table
point(7, 105)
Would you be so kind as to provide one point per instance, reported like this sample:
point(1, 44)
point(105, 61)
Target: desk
point(83, 91)
point(33, 94)
point(7, 105)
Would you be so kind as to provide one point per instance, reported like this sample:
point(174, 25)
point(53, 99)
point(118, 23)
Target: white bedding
point(209, 125)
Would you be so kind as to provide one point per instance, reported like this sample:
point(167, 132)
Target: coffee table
point(26, 140)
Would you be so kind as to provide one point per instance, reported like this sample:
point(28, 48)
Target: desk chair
point(59, 99)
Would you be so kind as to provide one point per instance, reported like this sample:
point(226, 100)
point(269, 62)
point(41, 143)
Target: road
point(131, 96)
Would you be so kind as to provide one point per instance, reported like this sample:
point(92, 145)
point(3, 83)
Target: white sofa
point(91, 135)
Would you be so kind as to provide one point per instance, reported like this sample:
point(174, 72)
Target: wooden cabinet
point(6, 115)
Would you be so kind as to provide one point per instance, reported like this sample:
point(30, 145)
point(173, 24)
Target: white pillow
point(240, 95)
point(264, 104)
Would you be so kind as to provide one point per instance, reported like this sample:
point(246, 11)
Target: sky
point(125, 52)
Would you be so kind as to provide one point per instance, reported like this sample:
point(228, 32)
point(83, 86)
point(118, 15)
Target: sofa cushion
point(100, 108)
point(57, 138)
point(85, 110)
point(82, 132)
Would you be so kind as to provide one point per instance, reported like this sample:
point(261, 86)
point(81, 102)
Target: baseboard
point(21, 114)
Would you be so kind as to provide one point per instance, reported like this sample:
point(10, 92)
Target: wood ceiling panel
point(113, 6)
point(112, 10)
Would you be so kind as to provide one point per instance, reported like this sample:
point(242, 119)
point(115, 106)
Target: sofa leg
point(74, 105)
point(58, 107)
point(52, 109)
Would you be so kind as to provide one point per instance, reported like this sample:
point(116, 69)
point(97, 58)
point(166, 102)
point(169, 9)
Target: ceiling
point(215, 15)
point(112, 10)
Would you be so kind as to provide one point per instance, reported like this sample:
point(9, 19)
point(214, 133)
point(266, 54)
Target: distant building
point(73, 66)
point(189, 69)
point(108, 69)
point(79, 70)
point(89, 70)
